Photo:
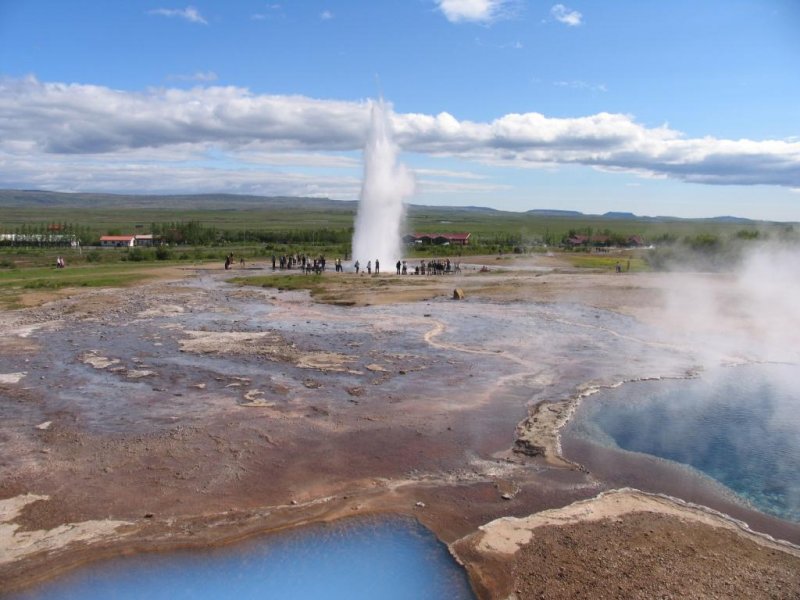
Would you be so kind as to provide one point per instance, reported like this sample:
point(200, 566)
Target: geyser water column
point(386, 185)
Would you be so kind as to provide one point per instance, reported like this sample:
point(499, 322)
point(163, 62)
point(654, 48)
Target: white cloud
point(190, 13)
point(449, 174)
point(582, 85)
point(71, 136)
point(201, 76)
point(272, 11)
point(253, 155)
point(515, 45)
point(451, 187)
point(565, 15)
point(479, 11)
point(326, 15)
point(68, 174)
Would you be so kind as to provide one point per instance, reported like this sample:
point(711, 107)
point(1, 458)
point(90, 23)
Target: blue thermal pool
point(738, 425)
point(366, 558)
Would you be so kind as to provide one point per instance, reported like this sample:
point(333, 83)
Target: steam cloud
point(751, 314)
point(386, 184)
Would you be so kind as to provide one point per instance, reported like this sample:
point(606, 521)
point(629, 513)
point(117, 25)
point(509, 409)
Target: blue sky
point(686, 108)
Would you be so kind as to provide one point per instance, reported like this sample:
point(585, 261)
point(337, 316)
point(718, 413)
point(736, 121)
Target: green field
point(16, 282)
point(105, 214)
point(489, 225)
point(209, 227)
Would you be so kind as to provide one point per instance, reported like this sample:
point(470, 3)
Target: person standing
point(398, 265)
point(369, 267)
point(357, 265)
point(377, 267)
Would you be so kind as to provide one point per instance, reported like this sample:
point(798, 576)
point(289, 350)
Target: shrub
point(136, 255)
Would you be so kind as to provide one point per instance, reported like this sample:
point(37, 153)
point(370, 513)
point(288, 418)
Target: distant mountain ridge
point(43, 199)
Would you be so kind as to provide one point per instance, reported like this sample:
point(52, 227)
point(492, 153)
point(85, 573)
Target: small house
point(438, 239)
point(117, 241)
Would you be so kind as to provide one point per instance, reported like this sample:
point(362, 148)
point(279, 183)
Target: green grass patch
point(108, 280)
point(13, 283)
point(605, 263)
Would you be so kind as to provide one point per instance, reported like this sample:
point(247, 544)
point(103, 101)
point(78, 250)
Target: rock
point(458, 294)
point(258, 403)
point(420, 505)
point(528, 448)
point(138, 373)
point(11, 377)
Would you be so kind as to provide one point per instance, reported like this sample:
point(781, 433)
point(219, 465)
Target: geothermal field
point(195, 411)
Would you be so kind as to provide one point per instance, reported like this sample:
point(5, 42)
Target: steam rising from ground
point(752, 314)
point(739, 424)
point(386, 185)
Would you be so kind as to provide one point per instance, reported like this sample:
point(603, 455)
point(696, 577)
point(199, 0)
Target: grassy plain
point(482, 224)
point(104, 213)
point(21, 287)
point(314, 227)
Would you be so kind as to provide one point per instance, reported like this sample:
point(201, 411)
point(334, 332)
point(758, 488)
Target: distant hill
point(443, 210)
point(619, 215)
point(44, 199)
point(733, 220)
point(547, 212)
point(39, 198)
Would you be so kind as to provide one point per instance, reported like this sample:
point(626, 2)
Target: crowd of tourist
point(307, 264)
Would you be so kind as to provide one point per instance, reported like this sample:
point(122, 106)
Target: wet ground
point(198, 410)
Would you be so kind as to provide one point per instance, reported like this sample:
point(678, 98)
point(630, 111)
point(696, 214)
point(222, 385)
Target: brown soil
point(228, 459)
point(647, 555)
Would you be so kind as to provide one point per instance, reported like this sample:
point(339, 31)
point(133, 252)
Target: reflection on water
point(740, 426)
point(391, 559)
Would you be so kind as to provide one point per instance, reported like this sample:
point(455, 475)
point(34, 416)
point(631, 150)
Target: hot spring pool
point(738, 425)
point(364, 559)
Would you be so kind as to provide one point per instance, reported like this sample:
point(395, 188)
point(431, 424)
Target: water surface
point(390, 559)
point(737, 425)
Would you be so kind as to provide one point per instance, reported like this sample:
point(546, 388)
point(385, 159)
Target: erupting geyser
point(381, 208)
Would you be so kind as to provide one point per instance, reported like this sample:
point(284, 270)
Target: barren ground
point(189, 412)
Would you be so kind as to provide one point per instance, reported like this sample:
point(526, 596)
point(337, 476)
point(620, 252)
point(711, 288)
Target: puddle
point(358, 559)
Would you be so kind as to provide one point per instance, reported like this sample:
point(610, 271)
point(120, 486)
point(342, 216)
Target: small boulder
point(458, 294)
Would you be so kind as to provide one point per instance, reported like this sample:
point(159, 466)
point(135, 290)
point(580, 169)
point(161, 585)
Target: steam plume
point(385, 187)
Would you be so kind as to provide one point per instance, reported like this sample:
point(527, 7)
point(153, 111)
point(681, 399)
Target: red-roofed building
point(117, 241)
point(438, 239)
